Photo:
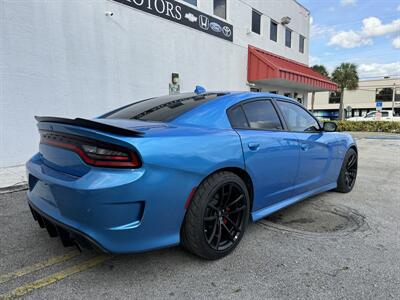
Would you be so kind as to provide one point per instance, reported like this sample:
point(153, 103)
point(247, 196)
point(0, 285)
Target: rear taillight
point(91, 151)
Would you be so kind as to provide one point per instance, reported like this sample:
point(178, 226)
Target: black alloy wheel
point(217, 216)
point(348, 172)
point(224, 216)
point(351, 171)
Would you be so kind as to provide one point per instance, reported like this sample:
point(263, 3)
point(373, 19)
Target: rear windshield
point(161, 109)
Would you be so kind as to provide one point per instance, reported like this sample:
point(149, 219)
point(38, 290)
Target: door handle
point(253, 146)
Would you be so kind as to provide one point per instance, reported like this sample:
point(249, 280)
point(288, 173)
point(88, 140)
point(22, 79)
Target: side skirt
point(263, 212)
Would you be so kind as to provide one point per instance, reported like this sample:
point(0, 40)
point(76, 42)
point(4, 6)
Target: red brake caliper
point(225, 220)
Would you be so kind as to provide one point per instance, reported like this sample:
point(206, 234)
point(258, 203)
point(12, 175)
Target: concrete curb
point(21, 186)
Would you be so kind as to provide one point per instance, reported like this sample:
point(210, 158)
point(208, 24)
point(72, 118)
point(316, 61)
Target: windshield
point(161, 109)
point(370, 115)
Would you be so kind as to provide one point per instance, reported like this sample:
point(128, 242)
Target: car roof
point(213, 113)
point(249, 94)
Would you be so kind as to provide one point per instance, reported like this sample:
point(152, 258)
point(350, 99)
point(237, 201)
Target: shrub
point(371, 126)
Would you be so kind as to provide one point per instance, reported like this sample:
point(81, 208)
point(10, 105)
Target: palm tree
point(346, 77)
point(321, 70)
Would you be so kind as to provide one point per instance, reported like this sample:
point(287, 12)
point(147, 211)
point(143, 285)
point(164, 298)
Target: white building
point(360, 101)
point(82, 58)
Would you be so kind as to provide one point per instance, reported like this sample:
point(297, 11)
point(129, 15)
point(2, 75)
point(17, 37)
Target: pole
point(393, 97)
point(312, 101)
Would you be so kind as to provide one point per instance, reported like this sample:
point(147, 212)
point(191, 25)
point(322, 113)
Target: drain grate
point(316, 219)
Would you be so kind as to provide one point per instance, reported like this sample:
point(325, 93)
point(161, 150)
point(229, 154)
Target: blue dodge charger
point(189, 169)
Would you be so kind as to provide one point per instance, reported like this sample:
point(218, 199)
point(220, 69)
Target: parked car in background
point(189, 169)
point(386, 115)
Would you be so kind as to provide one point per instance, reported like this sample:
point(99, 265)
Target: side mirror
point(329, 126)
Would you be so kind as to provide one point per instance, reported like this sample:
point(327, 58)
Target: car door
point(318, 149)
point(370, 116)
point(385, 116)
point(271, 154)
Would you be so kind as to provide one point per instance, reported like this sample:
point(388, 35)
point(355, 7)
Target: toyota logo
point(226, 31)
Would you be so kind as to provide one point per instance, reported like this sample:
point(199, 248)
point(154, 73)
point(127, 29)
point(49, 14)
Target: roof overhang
point(271, 69)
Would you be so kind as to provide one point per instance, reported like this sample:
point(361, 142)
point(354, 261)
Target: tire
point(348, 172)
point(217, 216)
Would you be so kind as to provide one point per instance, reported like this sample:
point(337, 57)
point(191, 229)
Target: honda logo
point(204, 23)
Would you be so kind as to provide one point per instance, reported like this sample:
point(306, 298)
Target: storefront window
point(334, 97)
point(386, 94)
point(220, 8)
point(256, 22)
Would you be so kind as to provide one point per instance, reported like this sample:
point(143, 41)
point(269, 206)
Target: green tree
point(321, 70)
point(346, 77)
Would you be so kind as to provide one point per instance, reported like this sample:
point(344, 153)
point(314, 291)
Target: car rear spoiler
point(91, 124)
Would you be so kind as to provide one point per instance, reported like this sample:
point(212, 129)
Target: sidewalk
point(12, 178)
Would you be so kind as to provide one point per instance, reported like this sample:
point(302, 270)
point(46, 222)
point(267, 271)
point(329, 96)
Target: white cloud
point(349, 39)
point(347, 2)
point(396, 42)
point(378, 70)
point(321, 30)
point(372, 27)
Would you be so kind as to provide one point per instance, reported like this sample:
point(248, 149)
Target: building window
point(334, 97)
point(301, 43)
point(253, 89)
point(220, 8)
point(193, 2)
point(273, 31)
point(288, 37)
point(386, 94)
point(256, 22)
point(273, 92)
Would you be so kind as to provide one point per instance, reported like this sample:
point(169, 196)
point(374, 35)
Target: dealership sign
point(183, 14)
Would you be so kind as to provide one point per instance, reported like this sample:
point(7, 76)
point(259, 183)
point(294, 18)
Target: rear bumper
point(118, 211)
point(69, 236)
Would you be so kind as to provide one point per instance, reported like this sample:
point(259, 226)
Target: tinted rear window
point(237, 118)
point(161, 109)
point(261, 114)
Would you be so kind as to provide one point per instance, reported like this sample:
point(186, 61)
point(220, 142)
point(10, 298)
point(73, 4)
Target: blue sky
point(364, 32)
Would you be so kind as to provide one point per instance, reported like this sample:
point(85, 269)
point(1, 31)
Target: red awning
point(270, 68)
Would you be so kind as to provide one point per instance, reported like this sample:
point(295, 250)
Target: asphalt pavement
point(331, 246)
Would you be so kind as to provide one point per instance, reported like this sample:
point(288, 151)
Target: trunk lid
point(115, 134)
